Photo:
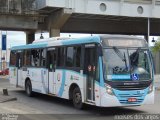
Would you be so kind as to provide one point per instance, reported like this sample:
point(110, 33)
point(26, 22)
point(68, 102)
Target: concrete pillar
point(56, 20)
point(30, 37)
point(156, 59)
point(146, 38)
point(54, 32)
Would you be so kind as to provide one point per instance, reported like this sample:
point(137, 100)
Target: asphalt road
point(43, 107)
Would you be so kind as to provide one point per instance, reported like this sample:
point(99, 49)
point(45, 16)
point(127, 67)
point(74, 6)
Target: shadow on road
point(111, 111)
point(98, 111)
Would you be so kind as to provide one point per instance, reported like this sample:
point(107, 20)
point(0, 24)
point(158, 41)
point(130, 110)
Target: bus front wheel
point(28, 88)
point(77, 98)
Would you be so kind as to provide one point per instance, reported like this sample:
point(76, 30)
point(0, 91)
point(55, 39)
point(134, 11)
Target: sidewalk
point(4, 76)
point(5, 85)
point(157, 81)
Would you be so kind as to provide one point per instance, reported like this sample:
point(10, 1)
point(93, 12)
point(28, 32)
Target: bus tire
point(77, 98)
point(28, 88)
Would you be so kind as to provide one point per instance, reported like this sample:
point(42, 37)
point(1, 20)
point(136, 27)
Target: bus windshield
point(126, 64)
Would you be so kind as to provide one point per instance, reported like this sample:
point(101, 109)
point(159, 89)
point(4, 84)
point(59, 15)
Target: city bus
point(100, 70)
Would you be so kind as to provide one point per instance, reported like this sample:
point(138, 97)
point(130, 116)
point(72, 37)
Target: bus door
point(90, 62)
point(19, 68)
point(51, 62)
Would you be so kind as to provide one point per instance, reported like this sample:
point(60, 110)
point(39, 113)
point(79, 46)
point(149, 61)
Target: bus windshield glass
point(126, 64)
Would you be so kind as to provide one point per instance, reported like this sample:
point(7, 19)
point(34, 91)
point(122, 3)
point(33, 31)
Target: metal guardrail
point(139, 1)
point(155, 2)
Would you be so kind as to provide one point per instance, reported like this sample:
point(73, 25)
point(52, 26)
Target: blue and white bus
point(104, 71)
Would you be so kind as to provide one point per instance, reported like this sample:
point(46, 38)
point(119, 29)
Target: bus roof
point(53, 42)
point(71, 41)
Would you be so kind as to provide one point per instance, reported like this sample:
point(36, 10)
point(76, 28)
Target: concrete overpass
point(139, 17)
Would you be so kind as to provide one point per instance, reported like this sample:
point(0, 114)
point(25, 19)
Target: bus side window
point(60, 56)
point(13, 58)
point(77, 56)
point(35, 58)
point(73, 56)
point(19, 59)
point(27, 58)
point(69, 57)
point(43, 57)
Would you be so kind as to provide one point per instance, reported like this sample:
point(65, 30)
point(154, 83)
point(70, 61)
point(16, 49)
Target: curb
point(6, 98)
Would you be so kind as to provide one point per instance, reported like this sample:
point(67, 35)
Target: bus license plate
point(132, 99)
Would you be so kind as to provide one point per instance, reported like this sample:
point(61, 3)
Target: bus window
point(35, 58)
point(50, 60)
point(77, 57)
point(70, 57)
point(26, 58)
point(19, 58)
point(73, 56)
point(61, 56)
point(13, 58)
point(43, 58)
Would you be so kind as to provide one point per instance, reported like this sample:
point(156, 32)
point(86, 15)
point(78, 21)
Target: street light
point(41, 37)
point(153, 40)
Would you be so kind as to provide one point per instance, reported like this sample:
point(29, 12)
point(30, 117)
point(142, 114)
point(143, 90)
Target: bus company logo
point(131, 83)
point(74, 77)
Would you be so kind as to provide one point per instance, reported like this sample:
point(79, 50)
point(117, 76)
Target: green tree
point(156, 47)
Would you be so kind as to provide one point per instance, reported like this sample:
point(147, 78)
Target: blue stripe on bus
point(121, 77)
point(62, 84)
point(101, 83)
point(101, 72)
point(91, 39)
point(29, 46)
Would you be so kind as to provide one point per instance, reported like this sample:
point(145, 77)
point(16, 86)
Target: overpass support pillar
point(57, 20)
point(30, 37)
point(146, 38)
point(54, 32)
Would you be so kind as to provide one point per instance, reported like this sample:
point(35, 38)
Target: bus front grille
point(131, 87)
point(126, 101)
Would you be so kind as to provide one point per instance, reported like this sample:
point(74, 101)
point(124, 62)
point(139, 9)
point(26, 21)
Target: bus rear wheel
point(28, 88)
point(77, 98)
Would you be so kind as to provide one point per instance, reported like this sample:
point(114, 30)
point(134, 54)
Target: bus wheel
point(77, 98)
point(28, 88)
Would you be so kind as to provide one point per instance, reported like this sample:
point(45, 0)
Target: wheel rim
point(77, 98)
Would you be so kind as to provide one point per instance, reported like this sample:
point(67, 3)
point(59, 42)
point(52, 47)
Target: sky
point(15, 38)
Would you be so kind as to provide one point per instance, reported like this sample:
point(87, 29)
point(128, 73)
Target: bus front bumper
point(121, 98)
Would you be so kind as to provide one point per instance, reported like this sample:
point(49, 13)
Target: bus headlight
point(150, 88)
point(109, 89)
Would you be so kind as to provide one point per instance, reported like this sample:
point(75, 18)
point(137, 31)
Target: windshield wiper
point(136, 54)
point(120, 54)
